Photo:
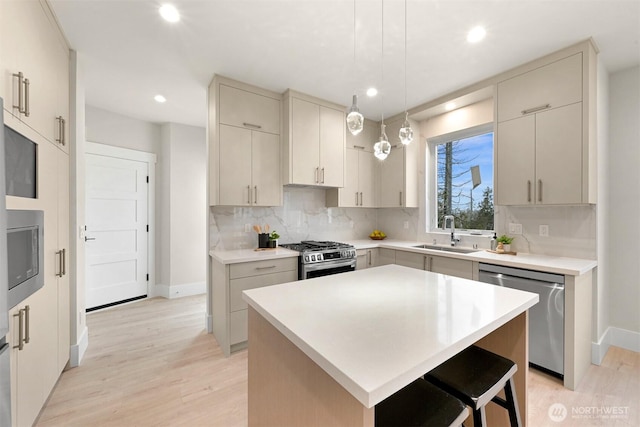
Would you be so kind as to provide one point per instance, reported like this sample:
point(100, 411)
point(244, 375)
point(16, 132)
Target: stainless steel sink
point(447, 248)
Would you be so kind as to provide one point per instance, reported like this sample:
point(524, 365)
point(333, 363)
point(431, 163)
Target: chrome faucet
point(452, 226)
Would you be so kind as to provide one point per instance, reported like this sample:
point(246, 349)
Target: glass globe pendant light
point(355, 120)
point(406, 133)
point(382, 148)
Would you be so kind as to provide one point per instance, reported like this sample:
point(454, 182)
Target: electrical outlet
point(247, 228)
point(515, 228)
point(544, 231)
point(406, 225)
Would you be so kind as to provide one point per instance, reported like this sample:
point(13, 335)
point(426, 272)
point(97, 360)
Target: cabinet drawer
point(410, 259)
point(556, 84)
point(452, 266)
point(268, 266)
point(238, 285)
point(249, 110)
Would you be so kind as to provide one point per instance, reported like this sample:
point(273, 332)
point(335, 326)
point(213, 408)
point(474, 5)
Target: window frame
point(431, 178)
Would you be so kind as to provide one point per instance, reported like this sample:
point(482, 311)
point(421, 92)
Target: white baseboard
point(618, 337)
point(177, 291)
point(77, 350)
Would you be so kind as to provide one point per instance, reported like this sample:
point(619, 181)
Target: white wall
point(187, 222)
point(624, 194)
point(109, 128)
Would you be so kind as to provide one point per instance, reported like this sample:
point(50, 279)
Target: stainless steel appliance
point(5, 386)
point(25, 254)
point(546, 319)
point(323, 258)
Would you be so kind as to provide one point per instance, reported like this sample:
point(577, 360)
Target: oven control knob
point(319, 257)
point(313, 257)
point(306, 258)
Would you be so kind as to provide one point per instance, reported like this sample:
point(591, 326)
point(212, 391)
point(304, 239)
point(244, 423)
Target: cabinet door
point(361, 259)
point(386, 256)
point(365, 139)
point(411, 259)
point(265, 167)
point(451, 266)
point(367, 166)
point(64, 326)
point(332, 147)
point(556, 84)
point(392, 179)
point(246, 109)
point(235, 166)
point(559, 155)
point(349, 194)
point(61, 107)
point(305, 137)
point(515, 167)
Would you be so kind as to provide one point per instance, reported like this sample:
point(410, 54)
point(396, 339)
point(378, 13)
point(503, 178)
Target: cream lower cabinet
point(366, 258)
point(314, 141)
point(229, 311)
point(250, 168)
point(386, 256)
point(360, 178)
point(437, 264)
point(41, 323)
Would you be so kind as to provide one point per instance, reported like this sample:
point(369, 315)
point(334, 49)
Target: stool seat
point(475, 376)
point(420, 404)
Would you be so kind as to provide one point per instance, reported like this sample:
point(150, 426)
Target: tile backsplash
point(303, 216)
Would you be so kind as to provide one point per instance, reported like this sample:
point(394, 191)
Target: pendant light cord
point(355, 71)
point(382, 59)
point(405, 56)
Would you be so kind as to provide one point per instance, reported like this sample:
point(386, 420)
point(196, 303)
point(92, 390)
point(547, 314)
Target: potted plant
point(504, 243)
point(273, 239)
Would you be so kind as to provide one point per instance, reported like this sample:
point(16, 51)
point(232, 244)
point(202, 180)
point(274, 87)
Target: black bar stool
point(420, 404)
point(475, 376)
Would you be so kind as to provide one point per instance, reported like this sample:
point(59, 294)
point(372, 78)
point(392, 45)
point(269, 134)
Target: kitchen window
point(461, 182)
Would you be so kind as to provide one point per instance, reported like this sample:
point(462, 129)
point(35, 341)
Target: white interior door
point(116, 229)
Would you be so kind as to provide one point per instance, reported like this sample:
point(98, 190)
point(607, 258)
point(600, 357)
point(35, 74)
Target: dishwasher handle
point(539, 276)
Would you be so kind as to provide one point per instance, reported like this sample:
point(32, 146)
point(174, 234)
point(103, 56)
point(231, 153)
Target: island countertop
point(376, 330)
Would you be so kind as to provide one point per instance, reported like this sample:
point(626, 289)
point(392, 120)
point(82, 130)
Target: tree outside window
point(465, 182)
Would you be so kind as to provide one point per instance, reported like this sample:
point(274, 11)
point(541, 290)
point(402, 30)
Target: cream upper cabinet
point(398, 174)
point(35, 68)
point(244, 145)
point(314, 141)
point(549, 86)
point(545, 152)
point(360, 181)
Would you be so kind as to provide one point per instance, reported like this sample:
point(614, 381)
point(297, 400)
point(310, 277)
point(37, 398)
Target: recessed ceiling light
point(449, 106)
point(160, 99)
point(372, 91)
point(476, 34)
point(169, 13)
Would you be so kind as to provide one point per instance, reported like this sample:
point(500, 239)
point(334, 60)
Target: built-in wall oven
point(546, 318)
point(323, 258)
point(5, 386)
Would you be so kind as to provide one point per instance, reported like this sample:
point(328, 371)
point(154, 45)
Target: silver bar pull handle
point(248, 194)
point(59, 273)
point(20, 105)
point(400, 198)
point(359, 147)
point(369, 258)
point(539, 190)
point(20, 316)
point(59, 138)
point(536, 109)
point(266, 268)
point(528, 191)
point(255, 195)
point(26, 98)
point(26, 324)
point(356, 198)
point(64, 262)
point(322, 176)
point(251, 125)
point(64, 132)
point(424, 263)
point(86, 239)
point(361, 199)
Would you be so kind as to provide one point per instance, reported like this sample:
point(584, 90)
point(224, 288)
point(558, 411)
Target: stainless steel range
point(323, 258)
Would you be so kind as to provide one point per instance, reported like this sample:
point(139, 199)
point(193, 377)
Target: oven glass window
point(329, 271)
point(22, 254)
point(20, 164)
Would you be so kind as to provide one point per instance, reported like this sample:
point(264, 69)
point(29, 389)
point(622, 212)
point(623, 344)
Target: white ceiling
point(129, 54)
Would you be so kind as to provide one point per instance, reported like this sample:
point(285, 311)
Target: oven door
point(327, 268)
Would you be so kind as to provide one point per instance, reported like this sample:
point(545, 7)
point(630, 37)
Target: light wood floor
point(151, 363)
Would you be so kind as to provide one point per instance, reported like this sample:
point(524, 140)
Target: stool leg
point(514, 411)
point(479, 417)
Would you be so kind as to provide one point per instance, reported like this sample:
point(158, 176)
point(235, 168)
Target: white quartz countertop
point(376, 330)
point(550, 264)
point(248, 255)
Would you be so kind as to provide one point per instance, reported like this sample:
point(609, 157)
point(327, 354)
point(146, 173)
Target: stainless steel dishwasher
point(546, 318)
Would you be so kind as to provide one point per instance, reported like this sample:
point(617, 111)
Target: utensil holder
point(263, 240)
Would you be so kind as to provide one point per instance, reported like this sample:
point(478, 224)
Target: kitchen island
point(325, 351)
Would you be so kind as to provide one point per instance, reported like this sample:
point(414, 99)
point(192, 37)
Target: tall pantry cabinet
point(34, 59)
